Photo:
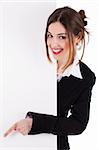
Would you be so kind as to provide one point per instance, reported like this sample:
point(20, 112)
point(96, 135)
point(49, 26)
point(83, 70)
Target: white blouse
point(73, 69)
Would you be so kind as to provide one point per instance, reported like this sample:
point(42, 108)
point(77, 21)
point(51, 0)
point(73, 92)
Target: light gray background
point(28, 81)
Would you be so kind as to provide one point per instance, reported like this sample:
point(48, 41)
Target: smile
point(57, 51)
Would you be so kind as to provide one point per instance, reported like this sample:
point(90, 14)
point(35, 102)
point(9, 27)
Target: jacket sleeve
point(72, 125)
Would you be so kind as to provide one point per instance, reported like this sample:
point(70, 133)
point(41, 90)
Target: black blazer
point(73, 94)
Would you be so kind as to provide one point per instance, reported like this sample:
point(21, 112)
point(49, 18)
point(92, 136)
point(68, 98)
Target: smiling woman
point(64, 31)
point(57, 40)
point(72, 27)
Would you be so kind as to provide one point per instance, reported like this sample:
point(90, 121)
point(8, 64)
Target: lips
point(57, 51)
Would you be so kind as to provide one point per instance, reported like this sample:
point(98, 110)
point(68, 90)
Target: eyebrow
point(58, 33)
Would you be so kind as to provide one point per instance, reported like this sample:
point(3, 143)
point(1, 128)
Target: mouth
point(57, 51)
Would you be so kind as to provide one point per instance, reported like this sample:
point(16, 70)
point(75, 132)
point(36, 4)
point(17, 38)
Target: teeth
point(57, 50)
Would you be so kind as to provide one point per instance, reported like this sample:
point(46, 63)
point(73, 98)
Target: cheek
point(48, 43)
point(66, 45)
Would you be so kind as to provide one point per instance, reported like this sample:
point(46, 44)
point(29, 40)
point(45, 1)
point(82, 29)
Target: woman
point(65, 31)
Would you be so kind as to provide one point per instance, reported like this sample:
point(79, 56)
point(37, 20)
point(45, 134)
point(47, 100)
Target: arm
point(74, 124)
point(35, 123)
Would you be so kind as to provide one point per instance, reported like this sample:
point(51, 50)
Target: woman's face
point(57, 41)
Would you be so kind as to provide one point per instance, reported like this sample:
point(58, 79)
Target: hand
point(23, 126)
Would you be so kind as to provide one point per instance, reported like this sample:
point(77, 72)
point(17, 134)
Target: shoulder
point(87, 74)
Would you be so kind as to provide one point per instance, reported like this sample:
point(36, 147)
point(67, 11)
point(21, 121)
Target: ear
point(78, 38)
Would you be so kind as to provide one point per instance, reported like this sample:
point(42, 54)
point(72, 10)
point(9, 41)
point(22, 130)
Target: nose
point(54, 42)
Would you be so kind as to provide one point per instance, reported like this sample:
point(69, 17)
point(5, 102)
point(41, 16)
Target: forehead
point(56, 28)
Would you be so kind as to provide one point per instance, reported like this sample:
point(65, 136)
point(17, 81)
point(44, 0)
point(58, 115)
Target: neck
point(61, 62)
point(60, 65)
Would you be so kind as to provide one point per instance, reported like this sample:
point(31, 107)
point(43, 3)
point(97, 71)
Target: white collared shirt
point(73, 69)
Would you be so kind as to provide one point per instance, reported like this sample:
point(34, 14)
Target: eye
point(49, 35)
point(62, 37)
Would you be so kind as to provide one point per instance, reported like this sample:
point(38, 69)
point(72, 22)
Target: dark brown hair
point(74, 22)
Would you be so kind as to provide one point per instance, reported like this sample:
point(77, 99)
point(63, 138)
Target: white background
point(27, 80)
point(89, 139)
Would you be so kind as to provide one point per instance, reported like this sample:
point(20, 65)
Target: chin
point(55, 57)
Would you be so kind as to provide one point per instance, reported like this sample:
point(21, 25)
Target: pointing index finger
point(10, 130)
